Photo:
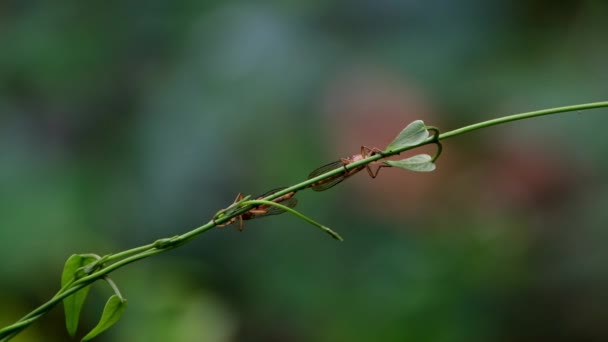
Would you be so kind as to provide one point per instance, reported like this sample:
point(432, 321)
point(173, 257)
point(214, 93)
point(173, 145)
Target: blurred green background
point(122, 122)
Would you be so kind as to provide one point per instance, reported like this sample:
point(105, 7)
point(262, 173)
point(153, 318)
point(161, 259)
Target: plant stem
point(126, 257)
point(521, 116)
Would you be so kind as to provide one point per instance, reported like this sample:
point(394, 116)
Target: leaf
point(111, 314)
point(73, 304)
point(418, 163)
point(412, 135)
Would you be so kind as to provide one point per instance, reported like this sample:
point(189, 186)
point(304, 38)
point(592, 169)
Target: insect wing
point(232, 210)
point(325, 168)
point(248, 215)
point(272, 210)
point(330, 182)
point(265, 210)
point(268, 193)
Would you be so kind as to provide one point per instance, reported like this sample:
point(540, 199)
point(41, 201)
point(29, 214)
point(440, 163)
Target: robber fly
point(332, 181)
point(260, 210)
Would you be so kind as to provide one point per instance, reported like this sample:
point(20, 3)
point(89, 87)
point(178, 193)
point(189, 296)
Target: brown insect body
point(332, 181)
point(261, 210)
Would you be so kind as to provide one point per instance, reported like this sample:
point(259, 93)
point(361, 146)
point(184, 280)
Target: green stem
point(12, 330)
point(126, 257)
point(521, 116)
point(128, 252)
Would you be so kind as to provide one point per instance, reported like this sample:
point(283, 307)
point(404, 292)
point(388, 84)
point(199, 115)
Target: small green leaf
point(418, 163)
point(73, 304)
point(111, 314)
point(412, 135)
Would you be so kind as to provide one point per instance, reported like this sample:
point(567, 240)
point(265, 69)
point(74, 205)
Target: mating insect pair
point(259, 210)
point(288, 199)
point(407, 138)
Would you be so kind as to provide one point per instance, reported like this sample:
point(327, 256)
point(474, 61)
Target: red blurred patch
point(531, 176)
point(370, 108)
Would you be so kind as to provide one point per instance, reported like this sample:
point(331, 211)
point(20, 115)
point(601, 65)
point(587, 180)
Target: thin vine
point(84, 269)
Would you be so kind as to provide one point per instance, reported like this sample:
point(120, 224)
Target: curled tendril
point(435, 141)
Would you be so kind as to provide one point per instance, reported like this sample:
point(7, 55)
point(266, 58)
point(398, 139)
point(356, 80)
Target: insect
point(332, 181)
point(260, 210)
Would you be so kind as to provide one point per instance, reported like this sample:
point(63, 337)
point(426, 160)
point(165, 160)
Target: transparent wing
point(329, 182)
point(275, 210)
point(325, 168)
point(268, 193)
point(265, 210)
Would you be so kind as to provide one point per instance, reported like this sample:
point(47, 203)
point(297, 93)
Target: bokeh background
point(122, 122)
